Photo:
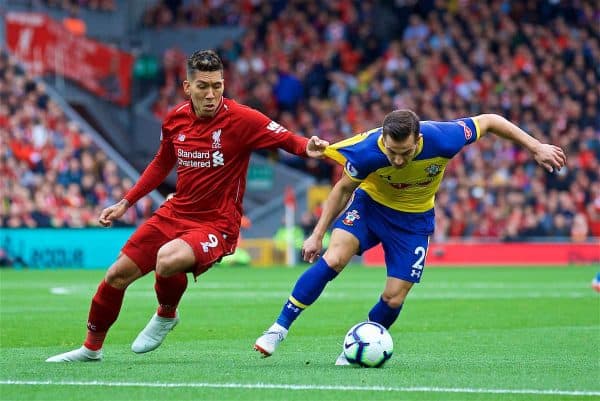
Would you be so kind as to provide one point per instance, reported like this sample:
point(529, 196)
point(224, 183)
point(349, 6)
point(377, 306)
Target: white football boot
point(154, 333)
point(342, 360)
point(268, 342)
point(82, 354)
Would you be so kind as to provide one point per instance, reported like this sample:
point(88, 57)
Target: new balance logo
point(217, 159)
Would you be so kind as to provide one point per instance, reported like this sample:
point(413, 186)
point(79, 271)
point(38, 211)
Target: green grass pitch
point(464, 334)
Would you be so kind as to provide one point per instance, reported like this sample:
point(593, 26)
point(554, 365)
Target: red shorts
point(209, 244)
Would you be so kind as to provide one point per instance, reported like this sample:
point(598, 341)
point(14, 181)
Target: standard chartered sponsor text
point(194, 163)
point(196, 157)
point(196, 154)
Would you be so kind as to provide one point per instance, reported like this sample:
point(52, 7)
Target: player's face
point(400, 153)
point(205, 88)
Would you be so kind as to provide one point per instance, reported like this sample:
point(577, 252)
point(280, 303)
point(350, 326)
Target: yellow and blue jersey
point(412, 188)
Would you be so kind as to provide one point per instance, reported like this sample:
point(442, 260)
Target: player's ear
point(186, 88)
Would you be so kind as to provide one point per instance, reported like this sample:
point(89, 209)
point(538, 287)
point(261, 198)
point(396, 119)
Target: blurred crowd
point(200, 13)
point(52, 173)
point(76, 5)
point(336, 68)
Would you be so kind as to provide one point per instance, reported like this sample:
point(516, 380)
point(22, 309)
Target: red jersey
point(212, 157)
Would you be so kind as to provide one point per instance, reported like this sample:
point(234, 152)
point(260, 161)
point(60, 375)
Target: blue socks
point(383, 314)
point(309, 287)
point(306, 291)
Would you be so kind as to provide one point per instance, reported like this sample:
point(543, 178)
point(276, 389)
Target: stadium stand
point(199, 14)
point(337, 68)
point(94, 5)
point(53, 175)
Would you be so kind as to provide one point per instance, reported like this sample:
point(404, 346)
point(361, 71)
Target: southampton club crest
point(351, 216)
point(433, 169)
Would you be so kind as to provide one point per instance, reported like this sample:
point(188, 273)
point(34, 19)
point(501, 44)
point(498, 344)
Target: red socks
point(104, 310)
point(169, 291)
point(107, 302)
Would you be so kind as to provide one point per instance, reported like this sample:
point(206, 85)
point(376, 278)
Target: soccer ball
point(368, 344)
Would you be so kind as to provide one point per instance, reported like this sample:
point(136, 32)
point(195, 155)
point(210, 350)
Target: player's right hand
point(311, 248)
point(551, 157)
point(316, 147)
point(112, 213)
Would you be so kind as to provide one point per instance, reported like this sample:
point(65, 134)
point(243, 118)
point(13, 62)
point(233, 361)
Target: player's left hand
point(316, 146)
point(551, 157)
point(111, 213)
point(312, 247)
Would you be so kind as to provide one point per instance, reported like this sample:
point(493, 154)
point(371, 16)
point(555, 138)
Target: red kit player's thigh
point(142, 247)
point(209, 247)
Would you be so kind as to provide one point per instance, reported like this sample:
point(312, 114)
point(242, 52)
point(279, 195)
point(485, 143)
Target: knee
point(394, 299)
point(336, 261)
point(165, 260)
point(119, 277)
point(169, 262)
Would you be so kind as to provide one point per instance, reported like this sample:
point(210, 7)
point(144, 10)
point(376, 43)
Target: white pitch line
point(305, 387)
point(59, 291)
point(340, 284)
point(420, 295)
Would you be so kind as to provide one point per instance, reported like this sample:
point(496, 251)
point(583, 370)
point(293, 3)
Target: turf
point(464, 334)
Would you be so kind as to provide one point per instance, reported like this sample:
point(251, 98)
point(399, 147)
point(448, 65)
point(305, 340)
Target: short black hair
point(399, 124)
point(204, 60)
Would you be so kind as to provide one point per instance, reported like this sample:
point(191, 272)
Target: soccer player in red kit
point(210, 139)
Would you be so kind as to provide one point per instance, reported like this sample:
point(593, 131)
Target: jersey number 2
point(420, 252)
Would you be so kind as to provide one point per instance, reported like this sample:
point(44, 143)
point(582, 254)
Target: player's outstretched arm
point(111, 213)
point(336, 201)
point(316, 147)
point(549, 156)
